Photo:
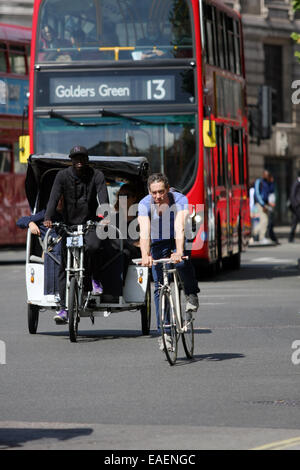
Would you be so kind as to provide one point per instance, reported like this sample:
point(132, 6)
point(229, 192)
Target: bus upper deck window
point(112, 32)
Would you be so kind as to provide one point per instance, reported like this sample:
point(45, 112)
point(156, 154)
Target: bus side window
point(237, 48)
point(3, 58)
point(230, 41)
point(17, 60)
point(220, 145)
point(5, 160)
point(231, 143)
point(209, 35)
point(241, 156)
point(235, 156)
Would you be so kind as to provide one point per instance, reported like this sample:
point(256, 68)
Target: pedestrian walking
point(262, 191)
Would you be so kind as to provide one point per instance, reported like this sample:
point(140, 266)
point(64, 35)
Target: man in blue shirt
point(262, 190)
point(162, 216)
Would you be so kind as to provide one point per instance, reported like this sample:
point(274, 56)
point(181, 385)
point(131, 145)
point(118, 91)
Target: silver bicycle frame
point(166, 283)
point(75, 254)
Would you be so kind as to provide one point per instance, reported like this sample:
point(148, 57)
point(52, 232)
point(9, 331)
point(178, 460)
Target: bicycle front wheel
point(187, 323)
point(168, 326)
point(73, 310)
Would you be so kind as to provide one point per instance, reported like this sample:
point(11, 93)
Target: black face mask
point(80, 163)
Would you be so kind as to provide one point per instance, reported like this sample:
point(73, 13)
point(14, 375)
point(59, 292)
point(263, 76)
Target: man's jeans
point(185, 270)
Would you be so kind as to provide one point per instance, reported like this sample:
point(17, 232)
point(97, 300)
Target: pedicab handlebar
point(72, 230)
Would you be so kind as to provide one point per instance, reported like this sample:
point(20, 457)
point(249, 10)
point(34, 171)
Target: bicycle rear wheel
point(168, 326)
point(73, 310)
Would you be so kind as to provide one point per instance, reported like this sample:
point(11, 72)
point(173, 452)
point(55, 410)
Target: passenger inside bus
point(140, 31)
point(155, 39)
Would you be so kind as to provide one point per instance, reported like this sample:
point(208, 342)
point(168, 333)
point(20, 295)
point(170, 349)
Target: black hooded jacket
point(82, 195)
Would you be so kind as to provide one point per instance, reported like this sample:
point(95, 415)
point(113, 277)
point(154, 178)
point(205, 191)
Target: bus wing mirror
point(209, 133)
point(24, 148)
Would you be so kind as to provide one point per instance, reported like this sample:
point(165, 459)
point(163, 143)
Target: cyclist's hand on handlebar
point(47, 223)
point(176, 257)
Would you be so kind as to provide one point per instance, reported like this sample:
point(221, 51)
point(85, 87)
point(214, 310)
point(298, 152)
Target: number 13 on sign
point(155, 89)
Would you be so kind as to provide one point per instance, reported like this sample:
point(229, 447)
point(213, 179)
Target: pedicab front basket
point(40, 283)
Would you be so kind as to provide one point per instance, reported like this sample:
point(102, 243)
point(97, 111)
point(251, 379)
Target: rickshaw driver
point(163, 236)
point(83, 189)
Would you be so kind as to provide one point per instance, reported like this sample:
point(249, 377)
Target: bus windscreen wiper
point(106, 113)
point(54, 114)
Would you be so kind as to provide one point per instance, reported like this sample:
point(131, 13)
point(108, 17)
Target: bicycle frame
point(75, 261)
point(166, 272)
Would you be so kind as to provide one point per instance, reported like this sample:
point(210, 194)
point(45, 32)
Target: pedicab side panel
point(136, 284)
point(35, 276)
point(35, 286)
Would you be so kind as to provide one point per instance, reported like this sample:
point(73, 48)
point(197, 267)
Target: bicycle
point(76, 301)
point(174, 320)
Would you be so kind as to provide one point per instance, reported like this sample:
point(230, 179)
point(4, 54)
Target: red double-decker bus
point(14, 88)
point(163, 79)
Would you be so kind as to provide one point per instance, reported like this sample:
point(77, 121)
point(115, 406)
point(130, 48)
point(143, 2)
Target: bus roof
point(15, 33)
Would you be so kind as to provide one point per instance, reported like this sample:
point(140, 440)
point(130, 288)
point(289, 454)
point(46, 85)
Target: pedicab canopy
point(42, 169)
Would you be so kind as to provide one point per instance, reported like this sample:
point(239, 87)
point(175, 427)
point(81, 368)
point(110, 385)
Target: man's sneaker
point(97, 287)
point(61, 317)
point(168, 342)
point(192, 303)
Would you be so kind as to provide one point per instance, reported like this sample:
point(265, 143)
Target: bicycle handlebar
point(70, 229)
point(162, 260)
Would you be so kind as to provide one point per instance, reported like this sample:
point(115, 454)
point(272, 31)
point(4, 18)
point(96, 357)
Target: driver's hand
point(147, 260)
point(47, 223)
point(34, 228)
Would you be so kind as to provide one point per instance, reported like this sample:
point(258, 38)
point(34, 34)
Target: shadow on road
point(252, 270)
point(212, 357)
point(98, 335)
point(17, 437)
point(259, 271)
point(101, 335)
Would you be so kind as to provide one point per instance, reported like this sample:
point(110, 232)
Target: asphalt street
point(113, 389)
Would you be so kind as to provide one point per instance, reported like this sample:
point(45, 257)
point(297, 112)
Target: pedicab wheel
point(73, 311)
point(33, 318)
point(146, 312)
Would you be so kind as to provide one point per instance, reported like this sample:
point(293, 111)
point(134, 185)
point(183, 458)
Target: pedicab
point(135, 291)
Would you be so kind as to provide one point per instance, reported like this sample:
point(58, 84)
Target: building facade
point(270, 60)
point(16, 12)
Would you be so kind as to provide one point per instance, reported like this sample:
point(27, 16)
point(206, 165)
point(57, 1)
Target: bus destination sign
point(140, 88)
